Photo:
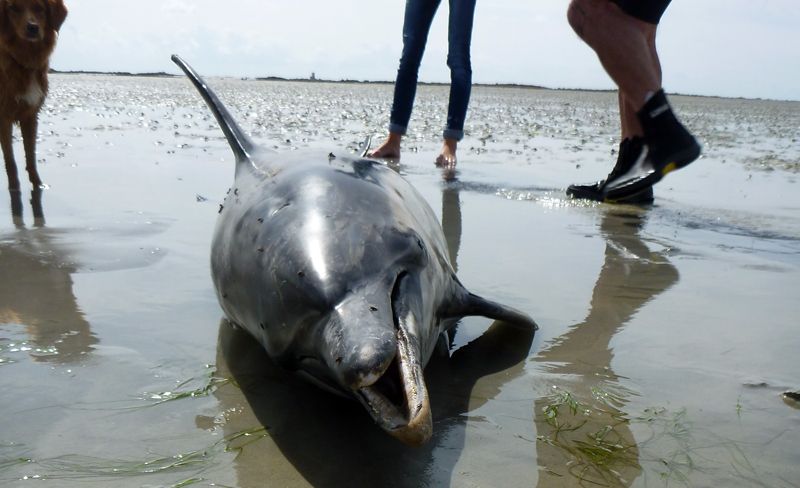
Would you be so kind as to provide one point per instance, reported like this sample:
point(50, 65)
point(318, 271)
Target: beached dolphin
point(339, 268)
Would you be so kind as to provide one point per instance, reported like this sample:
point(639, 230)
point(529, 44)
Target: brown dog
point(28, 33)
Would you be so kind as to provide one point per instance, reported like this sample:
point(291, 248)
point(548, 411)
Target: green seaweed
point(187, 482)
point(597, 456)
point(74, 466)
point(210, 383)
point(12, 454)
point(7, 463)
point(551, 410)
point(77, 466)
point(600, 446)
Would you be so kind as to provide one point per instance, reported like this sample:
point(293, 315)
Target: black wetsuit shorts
point(649, 11)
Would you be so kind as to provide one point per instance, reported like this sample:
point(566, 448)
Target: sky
point(729, 48)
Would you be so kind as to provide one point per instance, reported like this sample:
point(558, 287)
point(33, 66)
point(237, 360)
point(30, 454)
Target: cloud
point(713, 47)
point(173, 7)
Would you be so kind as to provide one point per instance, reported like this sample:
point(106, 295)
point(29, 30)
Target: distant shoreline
point(162, 74)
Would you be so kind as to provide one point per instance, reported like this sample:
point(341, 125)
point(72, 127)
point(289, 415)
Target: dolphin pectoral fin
point(240, 144)
point(502, 347)
point(477, 305)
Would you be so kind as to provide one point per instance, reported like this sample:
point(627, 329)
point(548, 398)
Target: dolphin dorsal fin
point(240, 144)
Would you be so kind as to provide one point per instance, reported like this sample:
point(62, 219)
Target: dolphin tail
point(240, 144)
point(476, 305)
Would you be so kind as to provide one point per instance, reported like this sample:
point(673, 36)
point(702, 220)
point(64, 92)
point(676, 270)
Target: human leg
point(622, 33)
point(621, 45)
point(631, 145)
point(629, 121)
point(416, 25)
point(459, 38)
point(631, 135)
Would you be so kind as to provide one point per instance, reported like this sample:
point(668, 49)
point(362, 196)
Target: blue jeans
point(416, 25)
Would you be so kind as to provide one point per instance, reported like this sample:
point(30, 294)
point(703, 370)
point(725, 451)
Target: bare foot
point(389, 149)
point(447, 158)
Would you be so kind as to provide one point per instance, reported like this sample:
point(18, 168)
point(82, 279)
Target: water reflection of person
point(451, 220)
point(330, 441)
point(578, 364)
point(36, 289)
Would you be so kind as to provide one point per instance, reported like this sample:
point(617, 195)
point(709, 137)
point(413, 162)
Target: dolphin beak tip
point(415, 435)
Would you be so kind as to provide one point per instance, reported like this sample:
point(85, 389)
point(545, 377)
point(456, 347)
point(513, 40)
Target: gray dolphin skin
point(339, 268)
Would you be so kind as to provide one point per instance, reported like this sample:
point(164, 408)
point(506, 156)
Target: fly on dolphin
point(339, 268)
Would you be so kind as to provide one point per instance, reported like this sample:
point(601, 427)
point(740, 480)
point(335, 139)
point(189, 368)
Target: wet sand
point(667, 333)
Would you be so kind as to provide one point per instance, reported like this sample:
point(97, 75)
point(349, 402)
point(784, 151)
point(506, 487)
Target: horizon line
point(314, 79)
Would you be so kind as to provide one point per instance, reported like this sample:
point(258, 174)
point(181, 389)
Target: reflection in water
point(36, 289)
point(331, 441)
point(584, 437)
point(451, 225)
point(451, 220)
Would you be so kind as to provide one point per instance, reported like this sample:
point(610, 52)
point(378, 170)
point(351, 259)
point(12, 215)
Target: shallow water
point(667, 334)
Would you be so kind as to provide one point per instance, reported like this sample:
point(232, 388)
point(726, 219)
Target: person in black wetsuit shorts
point(654, 142)
point(649, 11)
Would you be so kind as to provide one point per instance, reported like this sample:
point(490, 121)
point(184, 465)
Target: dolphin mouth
point(398, 399)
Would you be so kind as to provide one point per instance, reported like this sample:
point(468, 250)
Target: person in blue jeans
point(416, 25)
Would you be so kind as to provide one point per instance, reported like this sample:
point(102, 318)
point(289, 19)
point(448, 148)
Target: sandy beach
point(668, 333)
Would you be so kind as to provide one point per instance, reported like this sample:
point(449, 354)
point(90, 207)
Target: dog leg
point(29, 128)
point(8, 155)
point(16, 209)
point(36, 206)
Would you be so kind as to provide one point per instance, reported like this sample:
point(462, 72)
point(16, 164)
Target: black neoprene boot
point(668, 146)
point(629, 150)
